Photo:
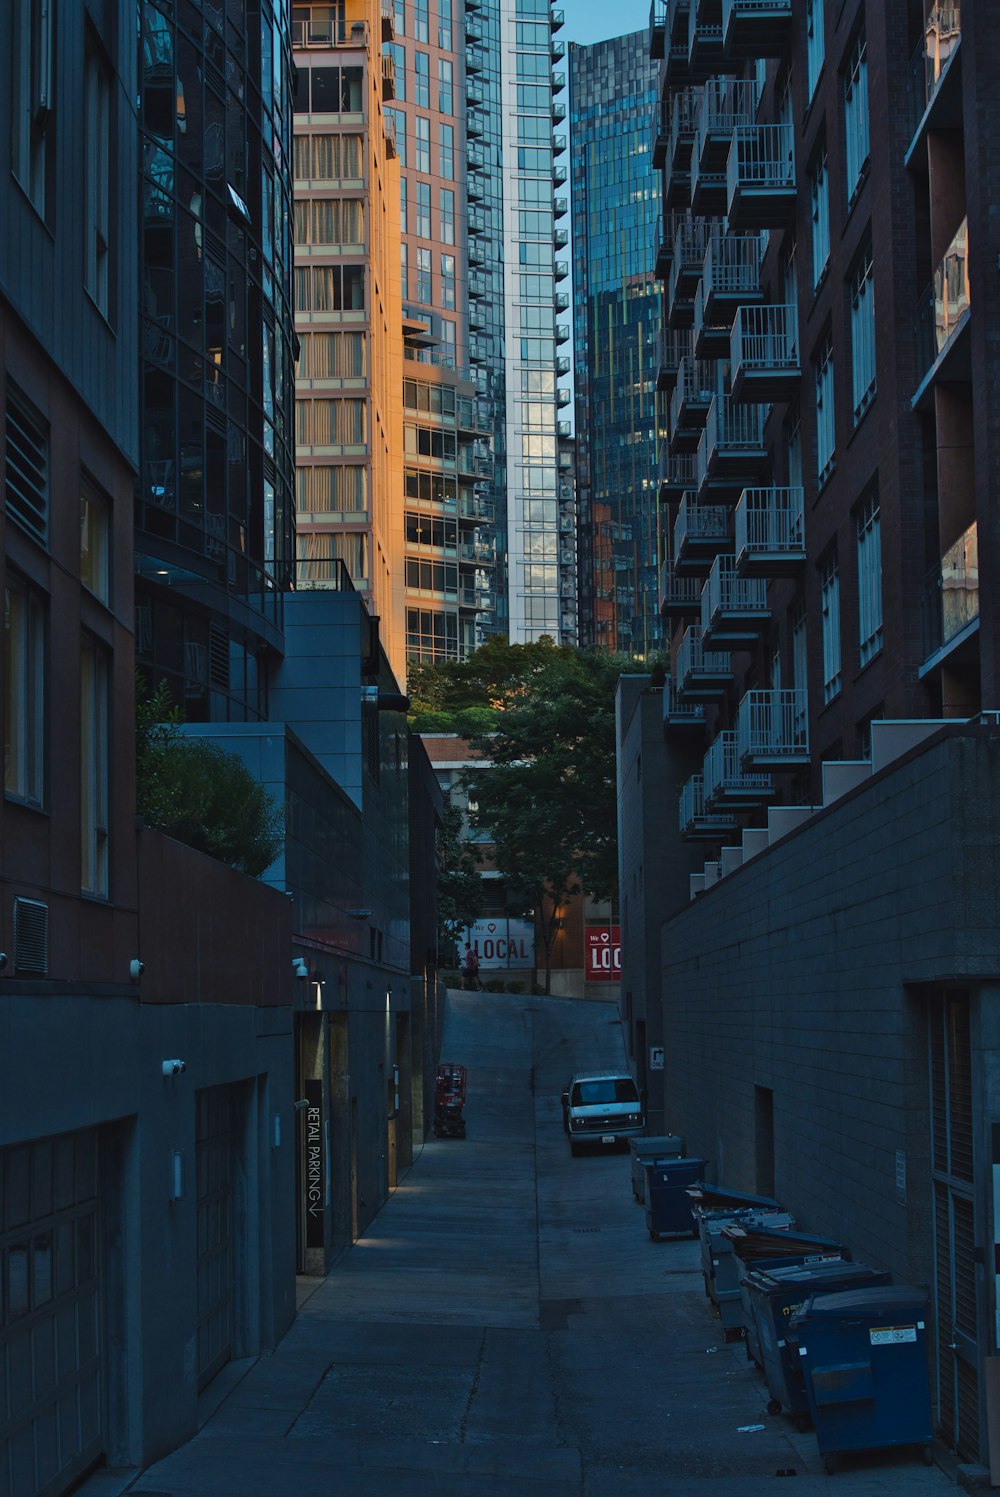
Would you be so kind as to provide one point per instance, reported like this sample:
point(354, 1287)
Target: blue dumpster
point(646, 1151)
point(773, 1296)
point(721, 1266)
point(765, 1249)
point(863, 1354)
point(668, 1205)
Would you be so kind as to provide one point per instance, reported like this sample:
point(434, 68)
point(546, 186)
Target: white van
point(601, 1108)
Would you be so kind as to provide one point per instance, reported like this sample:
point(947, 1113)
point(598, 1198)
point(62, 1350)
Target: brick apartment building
point(815, 931)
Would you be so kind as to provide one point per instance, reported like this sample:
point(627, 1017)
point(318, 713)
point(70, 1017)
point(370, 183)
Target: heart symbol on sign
point(604, 935)
point(491, 927)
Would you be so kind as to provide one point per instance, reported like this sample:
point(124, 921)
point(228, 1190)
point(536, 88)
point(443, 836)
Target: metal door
point(955, 1284)
point(214, 1156)
point(52, 1425)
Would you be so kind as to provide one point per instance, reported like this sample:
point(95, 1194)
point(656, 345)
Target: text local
point(500, 949)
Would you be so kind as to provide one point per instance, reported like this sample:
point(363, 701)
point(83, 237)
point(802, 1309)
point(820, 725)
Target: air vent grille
point(26, 466)
point(31, 936)
point(218, 657)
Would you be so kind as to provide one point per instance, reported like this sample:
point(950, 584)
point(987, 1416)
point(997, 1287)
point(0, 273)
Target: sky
point(596, 20)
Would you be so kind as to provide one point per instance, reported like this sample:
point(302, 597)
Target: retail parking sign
point(602, 953)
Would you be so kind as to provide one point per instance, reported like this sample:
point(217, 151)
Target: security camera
point(300, 966)
point(136, 969)
point(174, 1067)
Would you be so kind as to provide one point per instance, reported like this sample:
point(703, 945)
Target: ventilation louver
point(31, 937)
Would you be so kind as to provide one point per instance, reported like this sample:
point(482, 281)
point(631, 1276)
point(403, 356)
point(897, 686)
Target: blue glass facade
point(613, 93)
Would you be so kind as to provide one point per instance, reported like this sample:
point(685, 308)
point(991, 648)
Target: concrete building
point(828, 992)
point(348, 317)
point(613, 91)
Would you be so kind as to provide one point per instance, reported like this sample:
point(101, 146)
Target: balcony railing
point(727, 782)
point(560, 270)
point(755, 28)
point(732, 449)
point(951, 593)
point(668, 358)
point(937, 46)
point(731, 274)
point(946, 300)
point(694, 817)
point(678, 596)
point(678, 472)
point(657, 28)
point(701, 531)
point(704, 42)
point(723, 105)
point(690, 401)
point(770, 532)
point(760, 176)
point(678, 713)
point(772, 729)
point(315, 26)
point(688, 257)
point(700, 674)
point(764, 353)
point(733, 608)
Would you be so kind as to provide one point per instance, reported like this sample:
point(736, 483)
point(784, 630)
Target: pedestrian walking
point(470, 969)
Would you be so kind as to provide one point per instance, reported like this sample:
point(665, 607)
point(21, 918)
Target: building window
point(421, 80)
point(825, 424)
point(94, 770)
point(425, 285)
point(404, 268)
point(869, 578)
point(399, 17)
point(800, 669)
point(444, 25)
point(32, 97)
point(24, 692)
point(422, 131)
point(820, 191)
point(329, 288)
point(830, 610)
point(448, 342)
point(97, 177)
point(445, 77)
point(424, 210)
point(447, 202)
point(399, 120)
point(402, 203)
point(94, 543)
point(330, 158)
point(431, 636)
point(448, 282)
point(333, 221)
point(26, 466)
point(858, 145)
point(863, 332)
point(329, 491)
point(815, 44)
point(793, 450)
point(421, 28)
point(790, 282)
point(446, 152)
point(398, 52)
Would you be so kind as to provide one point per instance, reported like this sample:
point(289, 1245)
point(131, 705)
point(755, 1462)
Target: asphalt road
point(508, 1327)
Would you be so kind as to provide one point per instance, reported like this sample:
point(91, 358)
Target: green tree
point(197, 792)
point(548, 799)
point(460, 887)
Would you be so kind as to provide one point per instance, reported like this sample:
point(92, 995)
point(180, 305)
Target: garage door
point(51, 1413)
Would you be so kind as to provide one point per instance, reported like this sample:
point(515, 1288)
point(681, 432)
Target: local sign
point(500, 944)
point(602, 953)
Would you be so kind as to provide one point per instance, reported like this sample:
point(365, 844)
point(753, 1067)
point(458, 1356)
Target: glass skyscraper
point(613, 94)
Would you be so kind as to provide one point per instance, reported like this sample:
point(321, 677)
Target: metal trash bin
point(668, 1205)
point(767, 1250)
point(863, 1354)
point(721, 1266)
point(646, 1151)
point(774, 1295)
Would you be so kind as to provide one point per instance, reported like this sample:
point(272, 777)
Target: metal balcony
point(475, 60)
point(693, 392)
point(677, 473)
point(679, 597)
point(709, 340)
point(476, 221)
point(760, 177)
point(674, 72)
point(677, 173)
point(701, 532)
point(701, 675)
point(685, 269)
point(755, 28)
point(770, 539)
point(705, 54)
point(772, 729)
point(680, 714)
point(388, 76)
point(731, 452)
point(667, 358)
point(475, 124)
point(660, 133)
point(764, 353)
point(731, 275)
point(388, 21)
point(727, 783)
point(733, 609)
point(657, 28)
point(724, 105)
point(695, 819)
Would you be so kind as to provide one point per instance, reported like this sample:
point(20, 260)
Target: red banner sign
point(602, 953)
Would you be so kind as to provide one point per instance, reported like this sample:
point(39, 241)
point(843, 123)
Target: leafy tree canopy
point(460, 888)
point(197, 792)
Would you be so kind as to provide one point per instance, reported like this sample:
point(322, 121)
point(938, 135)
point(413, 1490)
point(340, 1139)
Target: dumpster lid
point(673, 1163)
point(710, 1196)
point(772, 1241)
point(889, 1300)
point(810, 1278)
point(656, 1145)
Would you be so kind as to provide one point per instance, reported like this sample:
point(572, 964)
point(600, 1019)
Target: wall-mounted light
point(276, 1131)
point(175, 1182)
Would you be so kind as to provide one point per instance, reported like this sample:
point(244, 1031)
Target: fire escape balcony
point(770, 532)
point(695, 819)
point(679, 597)
point(772, 730)
point(701, 675)
point(764, 353)
point(693, 392)
point(731, 451)
point(680, 714)
point(760, 177)
point(727, 783)
point(733, 609)
point(755, 28)
point(685, 269)
point(701, 532)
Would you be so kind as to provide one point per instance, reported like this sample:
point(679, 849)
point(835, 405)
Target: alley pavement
point(507, 1326)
